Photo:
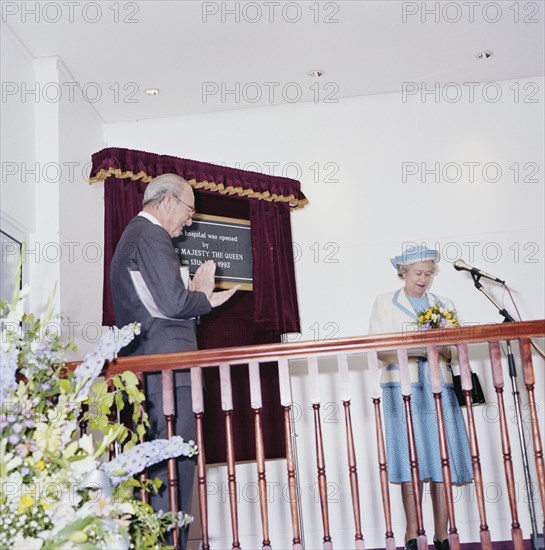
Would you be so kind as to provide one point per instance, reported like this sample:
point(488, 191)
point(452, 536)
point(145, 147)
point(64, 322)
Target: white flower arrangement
point(56, 489)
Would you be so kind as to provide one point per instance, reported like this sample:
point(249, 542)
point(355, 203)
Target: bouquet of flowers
point(56, 489)
point(437, 317)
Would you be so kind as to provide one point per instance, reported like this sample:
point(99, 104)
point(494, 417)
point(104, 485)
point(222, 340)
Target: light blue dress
point(425, 426)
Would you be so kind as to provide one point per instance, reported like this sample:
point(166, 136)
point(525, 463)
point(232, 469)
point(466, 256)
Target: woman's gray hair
point(403, 268)
point(162, 186)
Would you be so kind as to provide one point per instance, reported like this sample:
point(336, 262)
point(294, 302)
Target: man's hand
point(203, 280)
point(219, 298)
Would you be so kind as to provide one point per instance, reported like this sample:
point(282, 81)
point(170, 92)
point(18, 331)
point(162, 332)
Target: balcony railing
point(362, 352)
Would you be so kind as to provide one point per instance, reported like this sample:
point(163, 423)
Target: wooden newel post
point(405, 383)
point(169, 409)
point(467, 385)
point(197, 400)
point(372, 359)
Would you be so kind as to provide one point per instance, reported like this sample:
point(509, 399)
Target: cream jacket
point(392, 312)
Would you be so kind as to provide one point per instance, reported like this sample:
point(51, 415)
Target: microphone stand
point(536, 538)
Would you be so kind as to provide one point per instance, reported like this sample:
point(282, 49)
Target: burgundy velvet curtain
point(264, 200)
point(275, 295)
point(261, 316)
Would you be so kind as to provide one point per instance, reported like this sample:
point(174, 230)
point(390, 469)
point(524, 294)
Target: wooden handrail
point(375, 342)
point(369, 345)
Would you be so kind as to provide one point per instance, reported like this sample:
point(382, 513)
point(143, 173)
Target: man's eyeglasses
point(191, 209)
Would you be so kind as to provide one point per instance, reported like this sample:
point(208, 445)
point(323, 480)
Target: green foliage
point(42, 458)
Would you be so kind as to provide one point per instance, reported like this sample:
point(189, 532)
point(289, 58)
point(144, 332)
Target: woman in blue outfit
point(397, 312)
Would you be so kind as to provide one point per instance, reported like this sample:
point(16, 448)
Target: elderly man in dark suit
point(147, 287)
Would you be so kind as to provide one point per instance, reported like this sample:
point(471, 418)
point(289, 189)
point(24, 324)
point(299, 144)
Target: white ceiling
point(365, 47)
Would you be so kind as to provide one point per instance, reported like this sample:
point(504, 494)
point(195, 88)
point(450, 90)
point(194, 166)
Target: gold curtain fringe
point(102, 175)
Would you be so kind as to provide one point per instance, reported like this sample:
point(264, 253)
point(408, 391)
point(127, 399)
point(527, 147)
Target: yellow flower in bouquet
point(437, 317)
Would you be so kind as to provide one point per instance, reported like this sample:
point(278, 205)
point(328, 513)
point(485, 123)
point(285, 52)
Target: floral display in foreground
point(437, 317)
point(57, 491)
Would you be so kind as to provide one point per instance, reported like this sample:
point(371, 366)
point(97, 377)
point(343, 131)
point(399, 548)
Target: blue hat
point(414, 254)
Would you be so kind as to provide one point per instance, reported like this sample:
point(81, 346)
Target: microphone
point(460, 265)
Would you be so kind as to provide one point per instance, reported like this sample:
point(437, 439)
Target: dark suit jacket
point(147, 287)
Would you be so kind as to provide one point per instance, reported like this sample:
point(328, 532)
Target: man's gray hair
point(162, 186)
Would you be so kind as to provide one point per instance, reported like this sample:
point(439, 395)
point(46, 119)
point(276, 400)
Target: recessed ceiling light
point(152, 91)
point(316, 73)
point(485, 55)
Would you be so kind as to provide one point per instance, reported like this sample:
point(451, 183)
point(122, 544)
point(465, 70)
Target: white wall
point(81, 220)
point(345, 237)
point(17, 150)
point(47, 142)
point(17, 132)
point(370, 212)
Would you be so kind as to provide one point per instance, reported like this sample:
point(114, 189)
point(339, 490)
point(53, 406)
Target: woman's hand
point(445, 352)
